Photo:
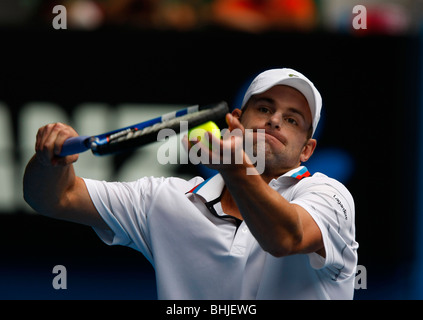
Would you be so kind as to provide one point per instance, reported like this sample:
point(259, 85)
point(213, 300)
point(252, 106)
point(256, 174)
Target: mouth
point(272, 138)
point(267, 136)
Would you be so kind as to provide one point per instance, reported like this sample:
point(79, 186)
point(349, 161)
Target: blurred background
point(120, 62)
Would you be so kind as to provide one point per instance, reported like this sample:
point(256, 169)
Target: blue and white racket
point(137, 135)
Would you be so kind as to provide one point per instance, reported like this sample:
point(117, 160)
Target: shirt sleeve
point(124, 207)
point(332, 207)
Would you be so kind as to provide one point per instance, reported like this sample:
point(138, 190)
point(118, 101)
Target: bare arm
point(280, 227)
point(50, 184)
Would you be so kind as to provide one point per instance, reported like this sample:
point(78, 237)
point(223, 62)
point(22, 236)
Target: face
point(284, 114)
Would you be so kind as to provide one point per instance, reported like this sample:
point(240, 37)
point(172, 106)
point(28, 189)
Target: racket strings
point(169, 124)
point(133, 137)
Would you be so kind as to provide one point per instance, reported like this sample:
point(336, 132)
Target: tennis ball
point(198, 132)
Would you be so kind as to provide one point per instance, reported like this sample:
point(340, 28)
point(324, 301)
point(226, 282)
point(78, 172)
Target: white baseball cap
point(289, 77)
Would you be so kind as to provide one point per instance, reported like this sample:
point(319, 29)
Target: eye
point(263, 109)
point(291, 121)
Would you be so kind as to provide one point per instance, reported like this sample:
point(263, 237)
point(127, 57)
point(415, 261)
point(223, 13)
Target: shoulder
point(319, 183)
point(179, 185)
point(325, 196)
point(145, 185)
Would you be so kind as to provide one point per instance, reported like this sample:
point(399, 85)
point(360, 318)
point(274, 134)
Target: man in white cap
point(281, 234)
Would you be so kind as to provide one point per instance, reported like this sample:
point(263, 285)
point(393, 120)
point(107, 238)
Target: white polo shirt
point(198, 252)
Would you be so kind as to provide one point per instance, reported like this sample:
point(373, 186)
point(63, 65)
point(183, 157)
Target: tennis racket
point(131, 137)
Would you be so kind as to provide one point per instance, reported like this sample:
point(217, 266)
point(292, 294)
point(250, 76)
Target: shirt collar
point(297, 173)
point(209, 189)
point(212, 188)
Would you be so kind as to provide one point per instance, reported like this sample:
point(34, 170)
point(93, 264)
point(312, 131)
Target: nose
point(275, 120)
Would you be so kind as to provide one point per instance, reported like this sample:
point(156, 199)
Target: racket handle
point(75, 145)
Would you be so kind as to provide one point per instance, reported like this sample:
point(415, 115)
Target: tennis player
point(282, 234)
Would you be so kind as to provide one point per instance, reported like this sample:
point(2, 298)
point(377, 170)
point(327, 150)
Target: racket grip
point(75, 145)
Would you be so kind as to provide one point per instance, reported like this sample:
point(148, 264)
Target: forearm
point(272, 220)
point(45, 186)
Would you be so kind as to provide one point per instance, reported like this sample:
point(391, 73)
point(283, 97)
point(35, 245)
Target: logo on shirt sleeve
point(341, 206)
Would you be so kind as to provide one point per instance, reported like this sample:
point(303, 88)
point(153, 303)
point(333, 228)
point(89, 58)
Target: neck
point(269, 176)
point(229, 205)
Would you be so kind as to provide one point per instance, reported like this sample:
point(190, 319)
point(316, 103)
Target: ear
point(308, 150)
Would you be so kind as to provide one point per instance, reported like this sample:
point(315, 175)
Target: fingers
point(49, 142)
point(212, 141)
point(214, 152)
point(234, 123)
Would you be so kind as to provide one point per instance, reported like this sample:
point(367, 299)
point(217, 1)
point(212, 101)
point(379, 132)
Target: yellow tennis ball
point(198, 132)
